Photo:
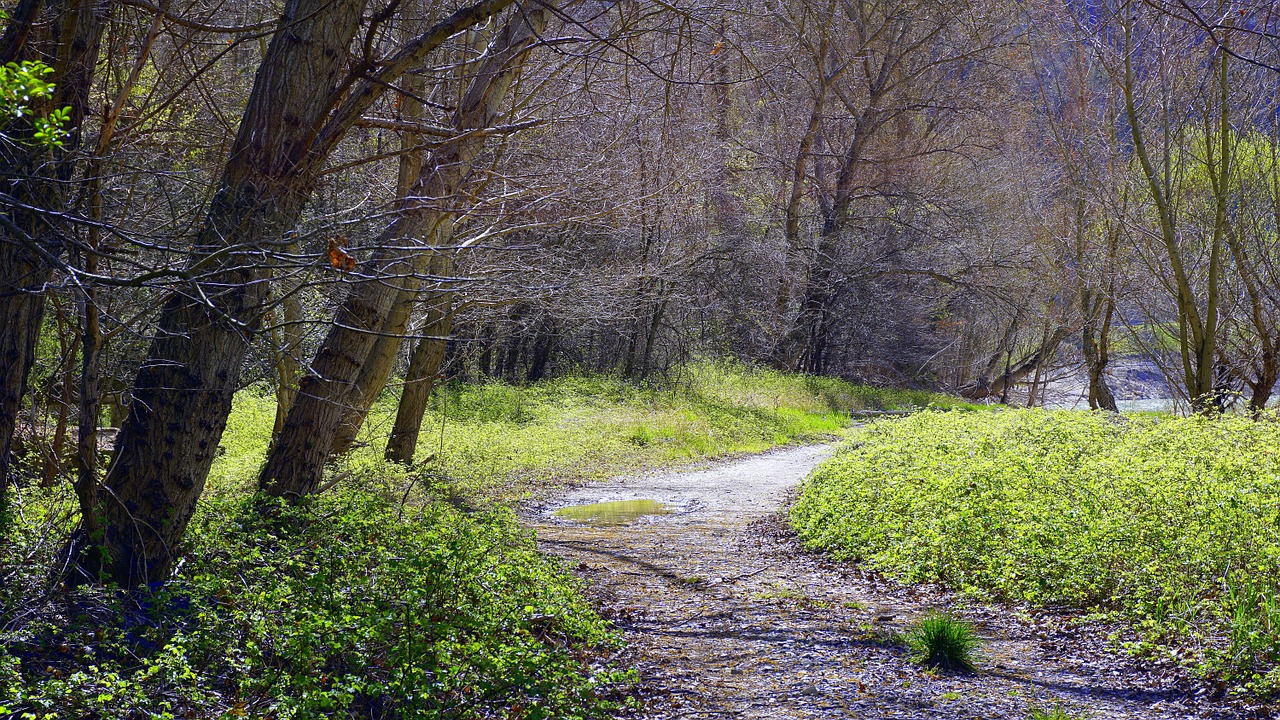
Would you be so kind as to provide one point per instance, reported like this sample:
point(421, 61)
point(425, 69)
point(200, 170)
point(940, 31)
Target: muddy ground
point(726, 616)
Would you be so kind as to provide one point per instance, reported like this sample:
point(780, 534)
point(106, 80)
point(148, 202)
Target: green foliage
point(944, 641)
point(1172, 524)
point(22, 87)
point(500, 440)
point(355, 606)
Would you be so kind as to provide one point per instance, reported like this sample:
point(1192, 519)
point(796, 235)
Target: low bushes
point(1171, 524)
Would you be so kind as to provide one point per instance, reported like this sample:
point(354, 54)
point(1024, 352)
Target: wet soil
point(727, 616)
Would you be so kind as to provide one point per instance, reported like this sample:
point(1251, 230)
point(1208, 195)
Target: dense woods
point(341, 199)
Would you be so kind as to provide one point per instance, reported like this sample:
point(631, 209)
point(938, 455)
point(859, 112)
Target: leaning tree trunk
point(377, 369)
point(421, 380)
point(296, 462)
point(182, 393)
point(1014, 373)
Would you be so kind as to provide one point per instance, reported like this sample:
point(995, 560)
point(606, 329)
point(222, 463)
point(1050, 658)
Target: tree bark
point(1096, 357)
point(295, 465)
point(375, 372)
point(421, 379)
point(305, 98)
point(183, 391)
point(37, 180)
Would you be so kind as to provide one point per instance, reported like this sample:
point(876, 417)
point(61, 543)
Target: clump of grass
point(945, 641)
point(1056, 713)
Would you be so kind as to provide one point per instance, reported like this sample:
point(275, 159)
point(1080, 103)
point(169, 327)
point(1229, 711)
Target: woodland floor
point(727, 616)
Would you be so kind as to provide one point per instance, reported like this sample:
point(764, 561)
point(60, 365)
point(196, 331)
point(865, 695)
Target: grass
point(381, 597)
point(1171, 525)
point(500, 441)
point(1055, 713)
point(945, 641)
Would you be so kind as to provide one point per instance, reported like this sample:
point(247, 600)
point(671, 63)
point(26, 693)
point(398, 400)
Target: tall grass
point(1172, 524)
point(501, 440)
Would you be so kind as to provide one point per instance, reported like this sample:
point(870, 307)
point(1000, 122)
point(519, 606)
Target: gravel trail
point(727, 616)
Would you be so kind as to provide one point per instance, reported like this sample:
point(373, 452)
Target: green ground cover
point(1171, 525)
point(354, 606)
point(501, 441)
point(381, 597)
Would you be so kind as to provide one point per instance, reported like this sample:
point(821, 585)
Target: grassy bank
point(500, 441)
point(380, 598)
point(1171, 524)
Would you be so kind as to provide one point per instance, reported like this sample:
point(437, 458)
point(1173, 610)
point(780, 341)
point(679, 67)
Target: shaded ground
point(728, 617)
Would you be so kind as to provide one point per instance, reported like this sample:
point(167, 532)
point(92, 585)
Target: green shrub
point(945, 641)
point(1171, 524)
point(352, 607)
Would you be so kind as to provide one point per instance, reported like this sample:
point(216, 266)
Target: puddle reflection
point(619, 512)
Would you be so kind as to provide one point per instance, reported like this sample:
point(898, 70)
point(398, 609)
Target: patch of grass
point(355, 606)
point(783, 595)
point(244, 443)
point(1169, 524)
point(1055, 713)
point(945, 641)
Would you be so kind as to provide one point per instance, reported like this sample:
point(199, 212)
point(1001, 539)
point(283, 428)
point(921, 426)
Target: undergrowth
point(1054, 713)
point(355, 606)
point(1169, 524)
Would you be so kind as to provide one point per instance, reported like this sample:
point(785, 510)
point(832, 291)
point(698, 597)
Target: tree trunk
point(376, 371)
point(1197, 327)
point(1095, 343)
point(286, 344)
point(1014, 373)
point(296, 462)
point(422, 378)
point(305, 97)
point(183, 391)
point(36, 178)
point(543, 345)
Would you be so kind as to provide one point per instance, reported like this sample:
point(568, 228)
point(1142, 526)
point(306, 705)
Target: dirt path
point(727, 617)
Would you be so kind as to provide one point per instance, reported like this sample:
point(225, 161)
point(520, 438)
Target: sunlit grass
point(500, 440)
point(945, 641)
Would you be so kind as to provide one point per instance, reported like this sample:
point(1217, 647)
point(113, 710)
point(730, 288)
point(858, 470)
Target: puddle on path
point(619, 512)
